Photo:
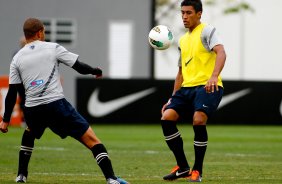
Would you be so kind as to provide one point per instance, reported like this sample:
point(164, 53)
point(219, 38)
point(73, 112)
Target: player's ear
point(199, 14)
point(40, 34)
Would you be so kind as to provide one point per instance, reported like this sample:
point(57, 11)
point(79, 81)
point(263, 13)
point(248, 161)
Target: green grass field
point(236, 154)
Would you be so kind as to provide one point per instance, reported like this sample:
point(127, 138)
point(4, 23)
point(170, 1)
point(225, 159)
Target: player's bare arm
point(178, 80)
point(211, 85)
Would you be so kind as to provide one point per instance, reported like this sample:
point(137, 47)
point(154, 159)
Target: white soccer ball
point(160, 37)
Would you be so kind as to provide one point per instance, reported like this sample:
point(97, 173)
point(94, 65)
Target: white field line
point(150, 152)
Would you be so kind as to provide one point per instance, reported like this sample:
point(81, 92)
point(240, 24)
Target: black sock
point(25, 152)
point(100, 153)
point(174, 142)
point(200, 146)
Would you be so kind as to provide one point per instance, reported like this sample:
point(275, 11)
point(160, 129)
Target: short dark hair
point(31, 27)
point(197, 4)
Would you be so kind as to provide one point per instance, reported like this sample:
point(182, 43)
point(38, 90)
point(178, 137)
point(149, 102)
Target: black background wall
point(140, 101)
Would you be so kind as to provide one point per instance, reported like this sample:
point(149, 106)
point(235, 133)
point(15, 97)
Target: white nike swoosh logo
point(233, 96)
point(178, 174)
point(98, 109)
point(280, 109)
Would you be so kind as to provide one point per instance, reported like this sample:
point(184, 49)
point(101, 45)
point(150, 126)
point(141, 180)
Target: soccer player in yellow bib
point(197, 92)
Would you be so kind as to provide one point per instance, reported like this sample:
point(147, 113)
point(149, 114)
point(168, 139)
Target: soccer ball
point(160, 37)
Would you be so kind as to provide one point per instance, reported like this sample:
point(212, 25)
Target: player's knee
point(200, 118)
point(170, 115)
point(89, 138)
point(198, 122)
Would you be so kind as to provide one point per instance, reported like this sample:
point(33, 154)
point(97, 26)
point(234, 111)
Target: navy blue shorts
point(187, 100)
point(59, 116)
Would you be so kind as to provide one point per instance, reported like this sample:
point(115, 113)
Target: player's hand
point(3, 125)
point(98, 72)
point(211, 85)
point(165, 105)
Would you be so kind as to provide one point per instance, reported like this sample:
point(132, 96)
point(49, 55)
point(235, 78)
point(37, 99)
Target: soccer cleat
point(116, 181)
point(21, 178)
point(195, 176)
point(176, 173)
